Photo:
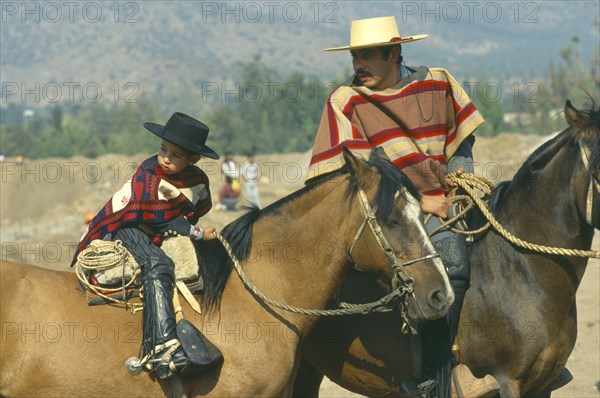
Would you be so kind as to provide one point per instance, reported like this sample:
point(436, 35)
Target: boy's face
point(172, 158)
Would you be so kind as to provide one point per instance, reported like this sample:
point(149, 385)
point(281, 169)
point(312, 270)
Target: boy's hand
point(198, 233)
point(209, 233)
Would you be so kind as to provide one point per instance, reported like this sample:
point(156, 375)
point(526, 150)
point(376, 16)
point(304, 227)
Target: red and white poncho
point(436, 116)
point(151, 197)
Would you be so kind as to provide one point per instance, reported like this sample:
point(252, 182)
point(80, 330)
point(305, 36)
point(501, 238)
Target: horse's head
point(585, 125)
point(388, 237)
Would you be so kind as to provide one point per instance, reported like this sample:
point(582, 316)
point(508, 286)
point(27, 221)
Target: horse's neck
point(542, 209)
point(298, 256)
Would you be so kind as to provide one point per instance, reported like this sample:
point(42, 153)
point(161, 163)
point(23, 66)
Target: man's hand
point(438, 205)
point(451, 183)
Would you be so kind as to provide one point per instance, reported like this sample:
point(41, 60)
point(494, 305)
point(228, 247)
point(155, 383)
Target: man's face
point(373, 70)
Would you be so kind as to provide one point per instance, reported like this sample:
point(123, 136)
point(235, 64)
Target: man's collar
point(404, 72)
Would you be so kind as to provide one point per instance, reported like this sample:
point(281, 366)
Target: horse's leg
point(308, 381)
point(508, 387)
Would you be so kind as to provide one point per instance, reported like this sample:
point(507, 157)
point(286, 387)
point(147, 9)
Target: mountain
point(189, 51)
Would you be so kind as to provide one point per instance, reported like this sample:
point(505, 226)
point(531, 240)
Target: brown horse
point(296, 251)
point(518, 322)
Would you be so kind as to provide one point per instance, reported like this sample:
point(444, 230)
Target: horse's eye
point(394, 222)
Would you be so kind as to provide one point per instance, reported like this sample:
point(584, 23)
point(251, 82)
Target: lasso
point(469, 182)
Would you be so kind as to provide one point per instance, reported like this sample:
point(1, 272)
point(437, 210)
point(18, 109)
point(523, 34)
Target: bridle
point(401, 279)
point(594, 184)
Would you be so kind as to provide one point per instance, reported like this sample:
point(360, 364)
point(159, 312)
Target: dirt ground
point(42, 205)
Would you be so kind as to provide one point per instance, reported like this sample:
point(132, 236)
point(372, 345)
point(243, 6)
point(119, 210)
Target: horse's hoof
point(561, 380)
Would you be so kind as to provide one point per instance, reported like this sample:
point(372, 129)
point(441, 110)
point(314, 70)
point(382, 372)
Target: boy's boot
point(158, 322)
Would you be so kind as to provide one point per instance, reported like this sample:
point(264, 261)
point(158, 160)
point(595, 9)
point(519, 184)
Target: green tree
point(486, 100)
point(271, 112)
point(16, 140)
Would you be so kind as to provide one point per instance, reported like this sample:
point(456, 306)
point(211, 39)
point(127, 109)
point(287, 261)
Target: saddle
point(108, 273)
point(119, 281)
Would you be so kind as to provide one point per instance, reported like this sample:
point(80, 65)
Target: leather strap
point(188, 296)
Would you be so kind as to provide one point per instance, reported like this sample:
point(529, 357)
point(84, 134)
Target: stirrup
point(426, 388)
point(159, 360)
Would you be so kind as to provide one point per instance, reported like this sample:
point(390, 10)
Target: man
point(424, 122)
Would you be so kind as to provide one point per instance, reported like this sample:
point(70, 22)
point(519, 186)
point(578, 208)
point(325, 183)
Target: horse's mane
point(392, 180)
point(536, 162)
point(542, 155)
point(215, 263)
point(526, 175)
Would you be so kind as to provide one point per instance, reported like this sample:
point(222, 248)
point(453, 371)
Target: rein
point(402, 281)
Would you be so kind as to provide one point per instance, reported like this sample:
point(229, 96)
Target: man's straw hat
point(375, 32)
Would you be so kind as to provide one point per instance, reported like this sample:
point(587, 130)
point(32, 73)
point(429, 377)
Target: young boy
point(166, 196)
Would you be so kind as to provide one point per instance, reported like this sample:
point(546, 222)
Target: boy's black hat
point(185, 131)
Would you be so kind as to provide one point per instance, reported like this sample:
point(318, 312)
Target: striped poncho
point(419, 123)
point(151, 197)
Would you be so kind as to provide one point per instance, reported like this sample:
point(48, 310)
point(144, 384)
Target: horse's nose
point(437, 300)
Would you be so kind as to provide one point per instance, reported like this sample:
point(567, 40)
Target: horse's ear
point(358, 168)
point(577, 120)
point(374, 156)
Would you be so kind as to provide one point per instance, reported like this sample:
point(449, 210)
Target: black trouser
point(437, 336)
point(158, 276)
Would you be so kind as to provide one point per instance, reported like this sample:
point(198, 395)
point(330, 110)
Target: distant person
point(229, 167)
point(167, 196)
point(250, 175)
point(229, 194)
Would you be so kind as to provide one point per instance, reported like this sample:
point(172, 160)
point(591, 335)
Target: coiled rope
point(101, 255)
point(469, 182)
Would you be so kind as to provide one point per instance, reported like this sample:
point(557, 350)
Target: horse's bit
point(401, 279)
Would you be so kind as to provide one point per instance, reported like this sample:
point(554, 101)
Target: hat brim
point(407, 39)
point(159, 130)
